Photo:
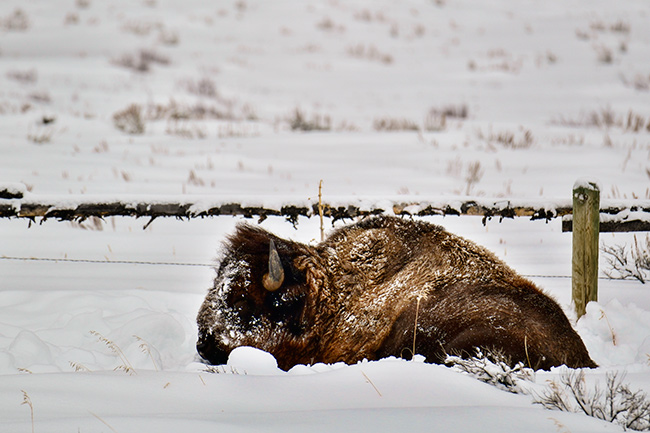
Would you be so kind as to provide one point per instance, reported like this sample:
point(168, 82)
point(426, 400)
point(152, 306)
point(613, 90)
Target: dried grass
point(184, 129)
point(18, 21)
point(42, 135)
point(142, 60)
point(125, 365)
point(130, 120)
point(473, 177)
point(389, 124)
point(205, 87)
point(198, 111)
point(29, 76)
point(28, 401)
point(436, 119)
point(327, 25)
point(145, 347)
point(298, 121)
point(369, 52)
point(606, 118)
point(521, 139)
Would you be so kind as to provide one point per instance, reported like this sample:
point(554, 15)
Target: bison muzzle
point(382, 287)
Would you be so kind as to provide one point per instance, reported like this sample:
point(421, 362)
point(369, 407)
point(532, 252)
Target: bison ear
point(273, 279)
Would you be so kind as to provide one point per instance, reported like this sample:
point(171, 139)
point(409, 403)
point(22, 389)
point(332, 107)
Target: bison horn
point(274, 278)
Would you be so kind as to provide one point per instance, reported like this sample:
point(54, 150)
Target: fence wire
point(104, 262)
point(208, 265)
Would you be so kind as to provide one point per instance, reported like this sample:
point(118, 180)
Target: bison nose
point(211, 351)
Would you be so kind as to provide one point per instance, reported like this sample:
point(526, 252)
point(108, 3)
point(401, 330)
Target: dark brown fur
point(356, 296)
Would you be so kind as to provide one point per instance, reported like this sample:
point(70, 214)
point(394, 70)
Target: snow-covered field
point(509, 99)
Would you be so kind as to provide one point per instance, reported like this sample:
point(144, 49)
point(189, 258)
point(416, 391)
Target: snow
point(590, 184)
point(13, 189)
point(250, 360)
point(625, 215)
point(621, 332)
point(327, 400)
point(101, 343)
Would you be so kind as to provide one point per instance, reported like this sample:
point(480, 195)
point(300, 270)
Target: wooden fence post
point(586, 228)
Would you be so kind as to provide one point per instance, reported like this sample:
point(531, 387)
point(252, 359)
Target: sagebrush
point(625, 262)
point(617, 403)
point(494, 368)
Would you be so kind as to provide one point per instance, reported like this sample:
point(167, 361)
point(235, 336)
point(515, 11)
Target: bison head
point(265, 295)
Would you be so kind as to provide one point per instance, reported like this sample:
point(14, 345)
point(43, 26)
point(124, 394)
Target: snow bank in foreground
point(369, 396)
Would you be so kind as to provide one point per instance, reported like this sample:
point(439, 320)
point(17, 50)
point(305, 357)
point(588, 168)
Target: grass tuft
point(298, 121)
point(145, 347)
point(606, 118)
point(125, 365)
point(18, 21)
point(142, 60)
point(370, 53)
point(78, 367)
point(28, 401)
point(222, 369)
point(517, 140)
point(29, 76)
point(42, 135)
point(130, 120)
point(389, 124)
point(186, 130)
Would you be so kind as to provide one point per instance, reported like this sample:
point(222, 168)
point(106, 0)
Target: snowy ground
point(535, 96)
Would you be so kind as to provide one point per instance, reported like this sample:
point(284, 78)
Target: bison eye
point(283, 302)
point(274, 301)
point(242, 307)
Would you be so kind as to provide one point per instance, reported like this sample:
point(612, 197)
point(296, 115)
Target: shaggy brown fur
point(356, 296)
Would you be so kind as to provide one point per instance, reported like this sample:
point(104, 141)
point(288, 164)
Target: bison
point(364, 291)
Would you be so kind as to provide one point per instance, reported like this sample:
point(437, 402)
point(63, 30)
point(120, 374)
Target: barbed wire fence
point(16, 202)
point(188, 264)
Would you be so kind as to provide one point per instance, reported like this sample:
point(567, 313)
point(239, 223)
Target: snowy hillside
point(262, 100)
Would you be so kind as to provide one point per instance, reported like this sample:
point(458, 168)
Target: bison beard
point(357, 295)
